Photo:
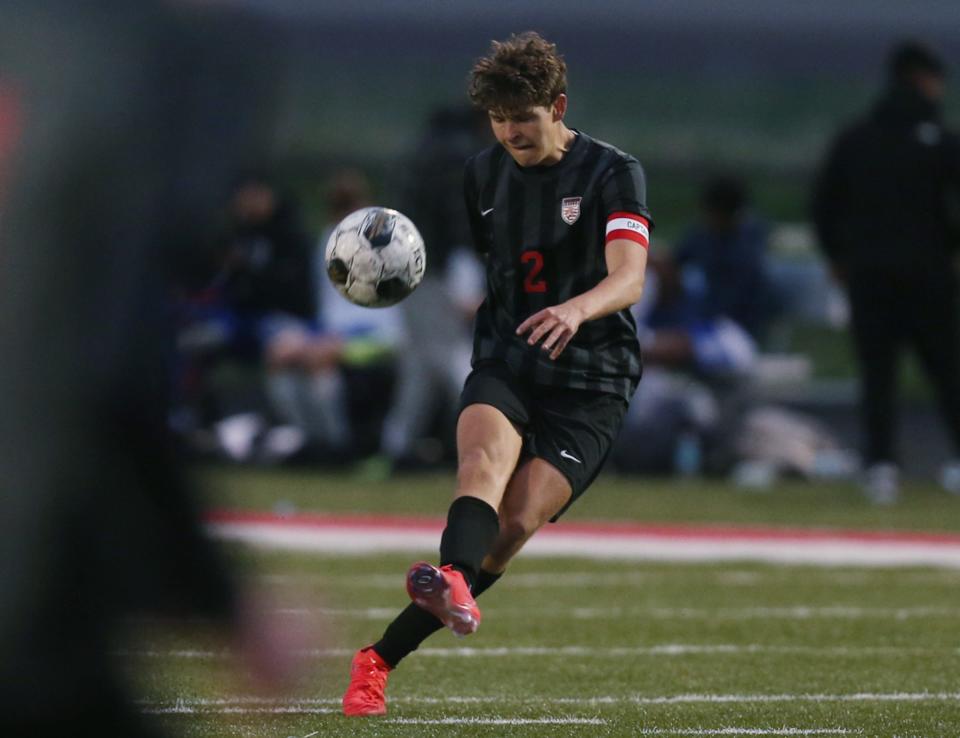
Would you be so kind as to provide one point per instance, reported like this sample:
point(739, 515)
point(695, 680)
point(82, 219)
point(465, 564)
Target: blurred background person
point(881, 211)
point(713, 297)
point(335, 385)
point(722, 258)
point(439, 314)
point(111, 174)
point(255, 309)
point(701, 320)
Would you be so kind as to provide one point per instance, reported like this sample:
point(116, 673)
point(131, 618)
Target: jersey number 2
point(533, 281)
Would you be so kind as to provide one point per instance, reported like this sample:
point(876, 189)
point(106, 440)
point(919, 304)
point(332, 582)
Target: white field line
point(279, 710)
point(770, 698)
point(666, 649)
point(560, 580)
point(750, 731)
point(313, 704)
point(517, 581)
point(299, 710)
point(497, 721)
point(346, 539)
point(794, 612)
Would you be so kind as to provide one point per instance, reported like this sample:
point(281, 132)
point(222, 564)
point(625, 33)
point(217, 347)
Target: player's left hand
point(556, 325)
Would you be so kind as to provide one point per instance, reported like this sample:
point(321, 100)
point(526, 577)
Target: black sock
point(408, 630)
point(485, 580)
point(414, 625)
point(472, 526)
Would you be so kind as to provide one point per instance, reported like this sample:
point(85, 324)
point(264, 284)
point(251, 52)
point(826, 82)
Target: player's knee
point(482, 463)
point(517, 528)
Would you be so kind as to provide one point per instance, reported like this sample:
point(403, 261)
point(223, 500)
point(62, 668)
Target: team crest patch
point(570, 209)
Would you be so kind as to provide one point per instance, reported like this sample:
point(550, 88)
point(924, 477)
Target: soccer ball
point(375, 257)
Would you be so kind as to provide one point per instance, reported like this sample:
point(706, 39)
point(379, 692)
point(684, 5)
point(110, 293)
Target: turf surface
point(922, 507)
point(576, 647)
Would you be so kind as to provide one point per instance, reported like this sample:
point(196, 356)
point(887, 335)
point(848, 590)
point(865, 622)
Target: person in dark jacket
point(259, 279)
point(268, 253)
point(252, 303)
point(881, 212)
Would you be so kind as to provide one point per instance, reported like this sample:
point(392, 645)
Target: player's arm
point(623, 285)
point(626, 258)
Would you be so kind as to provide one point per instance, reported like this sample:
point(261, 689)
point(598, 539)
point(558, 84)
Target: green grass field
point(923, 506)
point(578, 647)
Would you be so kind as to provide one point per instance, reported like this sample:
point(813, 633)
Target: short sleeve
point(624, 190)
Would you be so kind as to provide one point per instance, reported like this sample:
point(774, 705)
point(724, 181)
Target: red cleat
point(444, 594)
point(368, 682)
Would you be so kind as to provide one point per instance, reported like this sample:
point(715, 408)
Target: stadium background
point(757, 87)
point(754, 88)
point(750, 88)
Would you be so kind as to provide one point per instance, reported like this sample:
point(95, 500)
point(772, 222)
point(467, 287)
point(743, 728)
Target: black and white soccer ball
point(375, 257)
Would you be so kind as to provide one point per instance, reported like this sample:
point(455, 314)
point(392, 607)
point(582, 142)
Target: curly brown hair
point(523, 72)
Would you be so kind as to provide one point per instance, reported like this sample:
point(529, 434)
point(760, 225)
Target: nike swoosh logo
point(487, 212)
point(567, 455)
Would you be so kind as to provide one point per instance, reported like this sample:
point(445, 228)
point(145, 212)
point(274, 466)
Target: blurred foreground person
point(115, 156)
point(882, 216)
point(562, 221)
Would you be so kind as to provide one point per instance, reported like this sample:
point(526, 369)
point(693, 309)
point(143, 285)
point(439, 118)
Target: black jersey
point(543, 230)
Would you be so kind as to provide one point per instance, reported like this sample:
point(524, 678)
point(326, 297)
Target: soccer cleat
point(444, 593)
point(368, 682)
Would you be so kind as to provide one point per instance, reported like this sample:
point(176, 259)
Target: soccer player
point(562, 221)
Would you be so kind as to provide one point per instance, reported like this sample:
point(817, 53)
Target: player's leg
point(371, 666)
point(414, 624)
point(488, 447)
point(935, 330)
point(572, 433)
point(495, 406)
point(876, 330)
point(537, 492)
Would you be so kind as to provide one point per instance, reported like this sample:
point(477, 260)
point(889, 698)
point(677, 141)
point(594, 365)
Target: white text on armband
point(631, 226)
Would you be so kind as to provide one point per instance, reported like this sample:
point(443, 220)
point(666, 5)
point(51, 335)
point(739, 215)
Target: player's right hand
point(556, 325)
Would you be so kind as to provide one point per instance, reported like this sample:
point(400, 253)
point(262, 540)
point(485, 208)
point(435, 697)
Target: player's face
point(530, 136)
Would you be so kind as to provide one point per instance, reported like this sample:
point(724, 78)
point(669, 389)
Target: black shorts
point(571, 429)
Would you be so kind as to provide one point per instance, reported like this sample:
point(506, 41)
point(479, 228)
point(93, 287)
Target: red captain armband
point(630, 226)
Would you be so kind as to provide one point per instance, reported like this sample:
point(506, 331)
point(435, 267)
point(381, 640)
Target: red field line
point(627, 530)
